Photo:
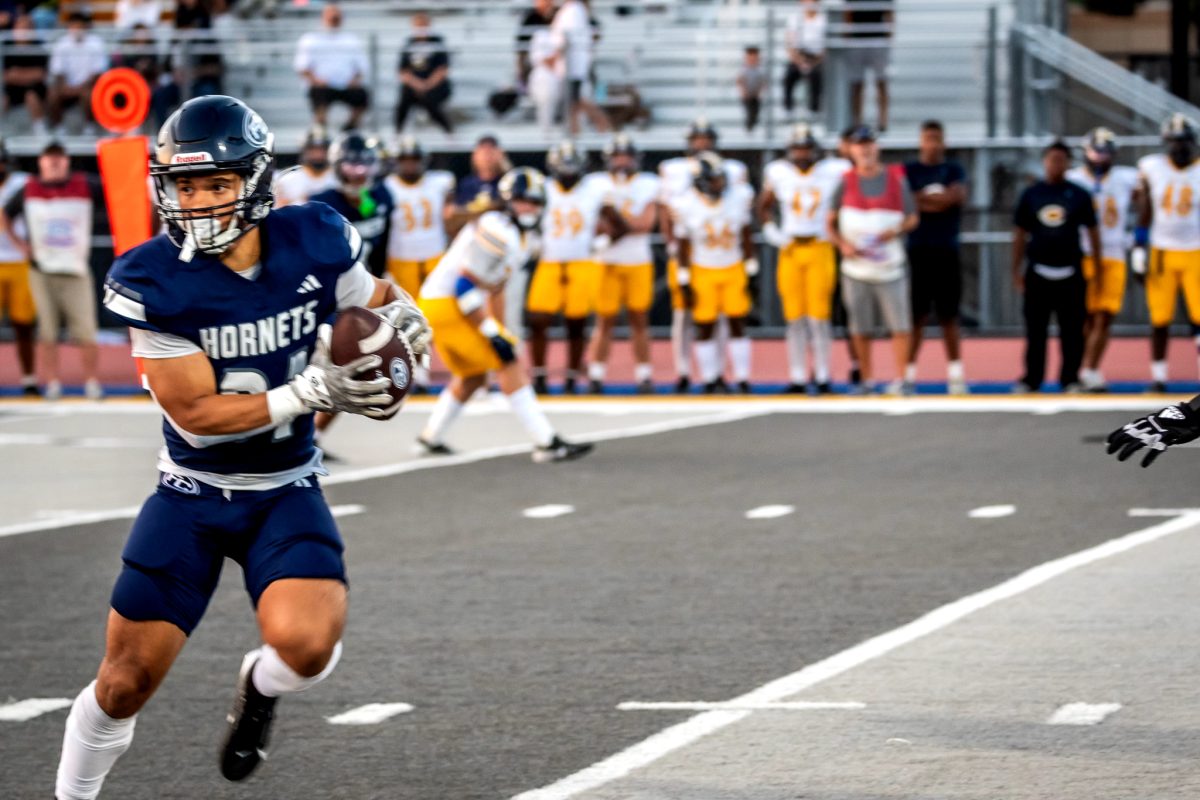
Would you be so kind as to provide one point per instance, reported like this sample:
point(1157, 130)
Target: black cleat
point(716, 387)
point(596, 387)
point(31, 391)
point(559, 450)
point(743, 387)
point(428, 448)
point(683, 385)
point(539, 384)
point(824, 388)
point(796, 388)
point(645, 387)
point(855, 375)
point(249, 726)
point(569, 385)
point(1157, 387)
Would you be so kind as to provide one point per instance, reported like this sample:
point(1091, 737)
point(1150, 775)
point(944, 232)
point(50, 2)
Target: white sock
point(643, 373)
point(524, 404)
point(739, 357)
point(445, 410)
point(954, 371)
point(910, 373)
point(273, 677)
point(681, 340)
point(1158, 371)
point(797, 351)
point(820, 334)
point(92, 743)
point(596, 372)
point(1089, 377)
point(708, 360)
point(722, 337)
point(28, 380)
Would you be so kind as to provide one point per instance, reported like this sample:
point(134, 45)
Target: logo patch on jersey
point(180, 483)
point(400, 376)
point(1052, 216)
point(191, 158)
point(309, 284)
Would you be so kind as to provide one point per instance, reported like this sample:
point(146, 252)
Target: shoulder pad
point(322, 234)
point(138, 288)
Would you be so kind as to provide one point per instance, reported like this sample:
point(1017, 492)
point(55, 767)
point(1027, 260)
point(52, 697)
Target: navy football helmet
point(357, 159)
point(523, 183)
point(207, 135)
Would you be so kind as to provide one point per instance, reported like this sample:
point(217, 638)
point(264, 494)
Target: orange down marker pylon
point(120, 102)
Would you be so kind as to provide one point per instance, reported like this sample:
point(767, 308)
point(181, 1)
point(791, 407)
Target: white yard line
point(731, 706)
point(1083, 713)
point(691, 730)
point(549, 511)
point(992, 512)
point(370, 714)
point(25, 710)
point(770, 512)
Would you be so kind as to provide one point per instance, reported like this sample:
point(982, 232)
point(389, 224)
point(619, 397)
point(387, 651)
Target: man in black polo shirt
point(940, 188)
point(424, 75)
point(1047, 266)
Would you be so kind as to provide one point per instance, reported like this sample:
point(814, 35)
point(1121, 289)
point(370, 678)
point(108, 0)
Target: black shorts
point(324, 96)
point(16, 94)
point(574, 90)
point(936, 281)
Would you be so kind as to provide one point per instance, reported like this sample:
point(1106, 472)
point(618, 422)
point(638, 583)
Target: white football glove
point(1138, 260)
point(601, 243)
point(774, 235)
point(404, 315)
point(324, 386)
point(751, 265)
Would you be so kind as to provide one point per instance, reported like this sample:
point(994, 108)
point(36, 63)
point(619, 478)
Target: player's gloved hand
point(501, 342)
point(403, 314)
point(1138, 261)
point(600, 244)
point(325, 386)
point(1172, 425)
point(774, 235)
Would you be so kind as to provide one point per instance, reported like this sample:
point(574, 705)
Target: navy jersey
point(258, 333)
point(371, 217)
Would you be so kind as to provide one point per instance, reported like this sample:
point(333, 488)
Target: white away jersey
point(9, 252)
point(675, 175)
point(803, 196)
point(569, 224)
point(629, 195)
point(418, 227)
point(297, 184)
point(1113, 198)
point(490, 248)
point(1174, 195)
point(714, 227)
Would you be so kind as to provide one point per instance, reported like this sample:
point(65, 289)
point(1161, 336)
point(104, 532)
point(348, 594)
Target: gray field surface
point(516, 638)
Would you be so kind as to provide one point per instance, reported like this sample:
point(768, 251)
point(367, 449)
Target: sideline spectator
point(139, 53)
point(1047, 267)
point(751, 81)
point(540, 15)
point(940, 187)
point(870, 213)
point(424, 75)
point(193, 54)
point(191, 14)
point(132, 13)
point(334, 64)
point(573, 25)
point(873, 32)
point(805, 39)
point(477, 192)
point(16, 298)
point(76, 60)
point(546, 78)
point(25, 73)
point(58, 207)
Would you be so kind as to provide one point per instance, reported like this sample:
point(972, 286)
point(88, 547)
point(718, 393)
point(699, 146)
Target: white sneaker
point(957, 386)
point(53, 390)
point(92, 390)
point(899, 388)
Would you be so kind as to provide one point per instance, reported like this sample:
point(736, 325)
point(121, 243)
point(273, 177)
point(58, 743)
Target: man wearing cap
point(871, 212)
point(76, 60)
point(57, 206)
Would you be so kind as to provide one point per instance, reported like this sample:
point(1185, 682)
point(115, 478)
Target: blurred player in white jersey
point(311, 176)
point(16, 296)
point(421, 199)
point(1113, 189)
point(1169, 222)
point(716, 265)
point(463, 299)
point(627, 280)
point(566, 280)
point(799, 187)
point(675, 175)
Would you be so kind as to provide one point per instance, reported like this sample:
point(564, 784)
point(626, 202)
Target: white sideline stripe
point(731, 706)
point(1162, 512)
point(387, 470)
point(677, 736)
point(770, 512)
point(1083, 713)
point(25, 710)
point(49, 440)
point(347, 510)
point(992, 512)
point(547, 511)
point(370, 714)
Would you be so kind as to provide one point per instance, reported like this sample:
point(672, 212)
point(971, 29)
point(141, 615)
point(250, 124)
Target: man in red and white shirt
point(58, 207)
point(869, 215)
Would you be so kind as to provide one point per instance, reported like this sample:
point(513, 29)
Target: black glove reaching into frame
point(1171, 426)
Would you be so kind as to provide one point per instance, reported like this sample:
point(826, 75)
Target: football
point(359, 332)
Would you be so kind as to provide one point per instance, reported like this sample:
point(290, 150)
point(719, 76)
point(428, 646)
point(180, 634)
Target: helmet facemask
point(212, 230)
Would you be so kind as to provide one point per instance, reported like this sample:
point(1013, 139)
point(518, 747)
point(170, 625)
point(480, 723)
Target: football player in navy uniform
point(360, 195)
point(224, 311)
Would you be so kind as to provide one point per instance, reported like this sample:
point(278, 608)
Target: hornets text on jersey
point(257, 333)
